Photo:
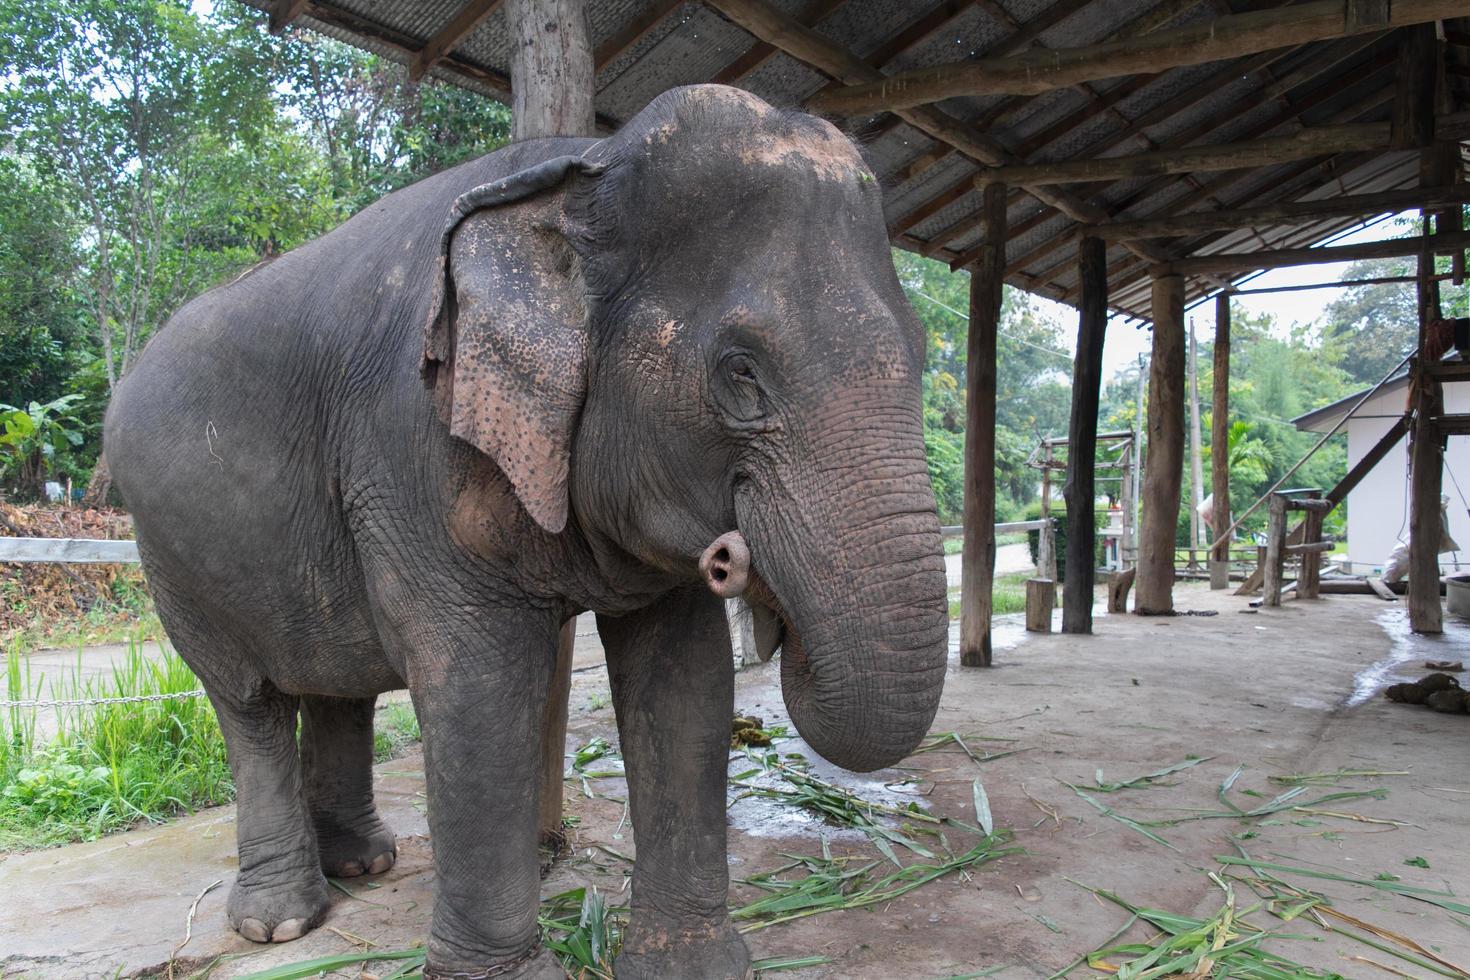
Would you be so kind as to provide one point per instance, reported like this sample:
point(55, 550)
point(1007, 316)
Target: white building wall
point(1377, 507)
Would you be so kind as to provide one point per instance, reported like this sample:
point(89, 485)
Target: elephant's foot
point(278, 912)
point(366, 846)
point(536, 963)
point(655, 948)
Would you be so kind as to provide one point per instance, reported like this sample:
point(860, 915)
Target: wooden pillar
point(1163, 469)
point(1220, 445)
point(551, 70)
point(1426, 614)
point(551, 73)
point(1275, 551)
point(977, 579)
point(1080, 490)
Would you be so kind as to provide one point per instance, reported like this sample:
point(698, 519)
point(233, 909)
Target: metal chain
point(134, 699)
point(82, 702)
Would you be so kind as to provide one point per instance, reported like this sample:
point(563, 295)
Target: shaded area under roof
point(643, 47)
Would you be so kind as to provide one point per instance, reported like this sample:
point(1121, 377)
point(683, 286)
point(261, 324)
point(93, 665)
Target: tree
point(1373, 327)
point(34, 441)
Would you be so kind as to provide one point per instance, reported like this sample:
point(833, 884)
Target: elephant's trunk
point(860, 581)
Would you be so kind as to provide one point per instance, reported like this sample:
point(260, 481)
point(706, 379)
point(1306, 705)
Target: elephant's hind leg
point(279, 893)
point(337, 754)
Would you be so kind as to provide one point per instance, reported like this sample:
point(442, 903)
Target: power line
point(964, 316)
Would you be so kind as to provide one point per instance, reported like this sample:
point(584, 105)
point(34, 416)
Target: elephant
point(633, 375)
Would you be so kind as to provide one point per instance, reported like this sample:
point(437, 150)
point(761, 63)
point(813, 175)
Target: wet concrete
point(1279, 691)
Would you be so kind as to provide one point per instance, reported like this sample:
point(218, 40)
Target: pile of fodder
point(49, 601)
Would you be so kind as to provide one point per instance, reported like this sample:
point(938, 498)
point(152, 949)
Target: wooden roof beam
point(1309, 142)
point(1238, 262)
point(1218, 39)
point(448, 37)
point(1293, 212)
point(284, 13)
point(760, 52)
point(636, 30)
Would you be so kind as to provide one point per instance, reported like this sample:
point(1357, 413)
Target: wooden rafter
point(1236, 262)
point(448, 37)
point(1310, 142)
point(284, 13)
point(760, 52)
point(1222, 38)
point(1292, 212)
point(634, 31)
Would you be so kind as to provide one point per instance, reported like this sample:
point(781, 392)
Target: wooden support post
point(1080, 490)
point(551, 71)
point(554, 741)
point(1310, 553)
point(1275, 550)
point(977, 576)
point(1163, 471)
point(1119, 583)
point(1220, 445)
point(552, 91)
point(1041, 598)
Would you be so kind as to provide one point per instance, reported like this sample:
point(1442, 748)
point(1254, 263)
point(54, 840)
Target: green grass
point(395, 728)
point(953, 546)
point(108, 766)
point(1008, 595)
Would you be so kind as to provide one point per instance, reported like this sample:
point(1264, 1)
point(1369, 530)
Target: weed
point(396, 728)
point(109, 765)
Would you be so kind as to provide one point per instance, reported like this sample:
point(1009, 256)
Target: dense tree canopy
point(153, 149)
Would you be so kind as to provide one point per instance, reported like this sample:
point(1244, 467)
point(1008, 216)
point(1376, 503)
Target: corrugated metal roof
point(1349, 80)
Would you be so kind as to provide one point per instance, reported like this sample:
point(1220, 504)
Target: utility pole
point(1196, 465)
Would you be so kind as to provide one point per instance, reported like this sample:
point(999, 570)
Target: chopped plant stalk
point(1060, 974)
point(1443, 899)
point(1276, 805)
point(838, 805)
point(1331, 778)
point(982, 808)
point(955, 738)
point(1223, 945)
point(828, 884)
point(316, 967)
point(1414, 947)
point(1138, 782)
point(775, 963)
point(1108, 811)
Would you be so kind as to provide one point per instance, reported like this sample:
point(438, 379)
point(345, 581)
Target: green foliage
point(109, 765)
point(156, 148)
point(396, 728)
point(1059, 515)
point(35, 440)
point(1032, 392)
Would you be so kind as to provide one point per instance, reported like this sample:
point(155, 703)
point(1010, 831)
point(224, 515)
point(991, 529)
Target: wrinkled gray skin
point(364, 467)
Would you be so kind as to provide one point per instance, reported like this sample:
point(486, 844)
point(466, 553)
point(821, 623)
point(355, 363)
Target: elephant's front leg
point(673, 687)
point(480, 689)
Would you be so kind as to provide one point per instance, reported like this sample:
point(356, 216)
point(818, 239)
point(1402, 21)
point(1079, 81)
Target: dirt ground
point(1280, 692)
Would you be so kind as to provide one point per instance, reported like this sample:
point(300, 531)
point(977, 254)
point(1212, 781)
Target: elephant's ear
point(505, 342)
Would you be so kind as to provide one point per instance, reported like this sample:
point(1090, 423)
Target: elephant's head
point(695, 328)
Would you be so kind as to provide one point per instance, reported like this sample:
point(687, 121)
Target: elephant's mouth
point(772, 625)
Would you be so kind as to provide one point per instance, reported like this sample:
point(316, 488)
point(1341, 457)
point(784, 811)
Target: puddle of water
point(1406, 647)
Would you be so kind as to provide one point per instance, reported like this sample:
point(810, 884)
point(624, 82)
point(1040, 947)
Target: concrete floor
point(1286, 691)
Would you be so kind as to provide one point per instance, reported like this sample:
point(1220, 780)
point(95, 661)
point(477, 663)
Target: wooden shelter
point(1133, 156)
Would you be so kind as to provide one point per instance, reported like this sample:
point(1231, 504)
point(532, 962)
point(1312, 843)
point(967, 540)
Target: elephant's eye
point(740, 392)
point(741, 368)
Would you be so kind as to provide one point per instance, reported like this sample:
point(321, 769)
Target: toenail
point(255, 931)
point(381, 863)
point(349, 869)
point(289, 930)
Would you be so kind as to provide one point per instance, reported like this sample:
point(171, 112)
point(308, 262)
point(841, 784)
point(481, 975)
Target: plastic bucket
point(1457, 595)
